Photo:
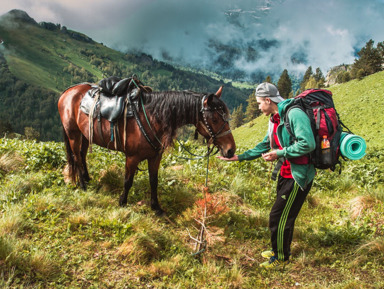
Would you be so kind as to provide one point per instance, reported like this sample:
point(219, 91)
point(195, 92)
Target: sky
point(255, 35)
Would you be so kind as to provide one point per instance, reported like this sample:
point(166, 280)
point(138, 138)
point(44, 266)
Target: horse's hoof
point(122, 203)
point(83, 186)
point(160, 213)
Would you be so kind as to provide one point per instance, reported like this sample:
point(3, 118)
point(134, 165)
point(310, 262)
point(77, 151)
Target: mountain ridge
point(39, 59)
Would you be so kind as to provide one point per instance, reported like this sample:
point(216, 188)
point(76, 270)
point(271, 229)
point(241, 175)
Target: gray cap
point(267, 89)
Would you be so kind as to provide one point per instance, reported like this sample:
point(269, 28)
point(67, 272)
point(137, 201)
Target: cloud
point(266, 36)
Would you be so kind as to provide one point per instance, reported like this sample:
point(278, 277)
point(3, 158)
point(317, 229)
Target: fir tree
point(319, 74)
point(306, 77)
point(252, 110)
point(237, 118)
point(370, 60)
point(284, 85)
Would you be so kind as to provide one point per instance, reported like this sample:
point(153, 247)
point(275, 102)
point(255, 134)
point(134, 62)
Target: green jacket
point(304, 144)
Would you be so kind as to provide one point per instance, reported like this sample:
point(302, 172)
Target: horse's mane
point(172, 110)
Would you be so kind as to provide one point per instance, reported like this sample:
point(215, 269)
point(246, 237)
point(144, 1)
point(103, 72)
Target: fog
point(249, 36)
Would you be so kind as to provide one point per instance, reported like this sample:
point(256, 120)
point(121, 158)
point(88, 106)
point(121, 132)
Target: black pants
point(289, 200)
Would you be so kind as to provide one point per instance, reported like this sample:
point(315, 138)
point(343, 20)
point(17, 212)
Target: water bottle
point(326, 154)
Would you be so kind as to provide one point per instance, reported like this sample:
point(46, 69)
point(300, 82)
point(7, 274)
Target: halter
point(206, 126)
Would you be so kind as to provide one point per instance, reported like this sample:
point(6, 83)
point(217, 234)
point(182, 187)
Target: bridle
point(220, 110)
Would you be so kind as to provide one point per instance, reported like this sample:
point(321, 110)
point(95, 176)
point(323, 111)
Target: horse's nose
point(230, 153)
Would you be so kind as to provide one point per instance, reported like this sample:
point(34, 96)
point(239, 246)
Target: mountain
point(40, 60)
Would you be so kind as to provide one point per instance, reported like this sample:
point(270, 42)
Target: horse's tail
point(71, 167)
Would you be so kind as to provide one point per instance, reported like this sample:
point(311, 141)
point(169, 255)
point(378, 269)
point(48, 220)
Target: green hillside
point(360, 104)
point(39, 61)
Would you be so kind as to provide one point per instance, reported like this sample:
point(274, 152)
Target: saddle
point(112, 98)
point(108, 98)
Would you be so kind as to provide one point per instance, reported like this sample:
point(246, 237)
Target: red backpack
point(318, 105)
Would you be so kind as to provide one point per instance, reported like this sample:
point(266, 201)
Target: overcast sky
point(323, 33)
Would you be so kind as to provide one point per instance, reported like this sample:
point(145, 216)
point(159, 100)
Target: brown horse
point(161, 114)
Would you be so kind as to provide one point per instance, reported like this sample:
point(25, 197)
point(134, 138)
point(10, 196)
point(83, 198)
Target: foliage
point(311, 80)
point(284, 84)
point(343, 76)
point(252, 111)
point(308, 73)
point(370, 60)
point(237, 117)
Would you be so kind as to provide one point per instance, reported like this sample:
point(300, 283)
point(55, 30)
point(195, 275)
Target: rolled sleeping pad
point(352, 146)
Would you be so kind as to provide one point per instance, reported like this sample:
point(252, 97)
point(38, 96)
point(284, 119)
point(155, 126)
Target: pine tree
point(319, 77)
point(370, 60)
point(237, 118)
point(306, 77)
point(318, 74)
point(380, 48)
point(284, 85)
point(252, 110)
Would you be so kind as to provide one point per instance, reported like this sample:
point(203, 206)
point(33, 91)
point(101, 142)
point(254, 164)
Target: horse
point(147, 136)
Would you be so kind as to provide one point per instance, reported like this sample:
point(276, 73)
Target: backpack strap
point(286, 120)
point(277, 168)
point(308, 110)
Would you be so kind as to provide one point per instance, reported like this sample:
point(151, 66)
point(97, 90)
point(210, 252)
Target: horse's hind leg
point(83, 154)
point(75, 140)
point(153, 167)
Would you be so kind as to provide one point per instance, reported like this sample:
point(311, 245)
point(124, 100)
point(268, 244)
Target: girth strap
point(90, 119)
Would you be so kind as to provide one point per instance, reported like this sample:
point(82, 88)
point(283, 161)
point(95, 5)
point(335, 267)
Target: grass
point(54, 235)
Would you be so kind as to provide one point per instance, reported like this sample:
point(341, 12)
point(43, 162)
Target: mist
point(240, 39)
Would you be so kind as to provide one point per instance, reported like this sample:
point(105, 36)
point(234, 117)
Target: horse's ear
point(218, 93)
point(208, 100)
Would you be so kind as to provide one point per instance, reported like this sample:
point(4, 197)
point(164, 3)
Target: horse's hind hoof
point(122, 202)
point(83, 186)
point(160, 213)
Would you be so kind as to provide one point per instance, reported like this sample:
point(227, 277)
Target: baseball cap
point(267, 89)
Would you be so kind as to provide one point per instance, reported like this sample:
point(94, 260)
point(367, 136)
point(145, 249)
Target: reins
point(135, 113)
point(196, 157)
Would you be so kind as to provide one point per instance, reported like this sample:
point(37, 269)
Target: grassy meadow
point(54, 235)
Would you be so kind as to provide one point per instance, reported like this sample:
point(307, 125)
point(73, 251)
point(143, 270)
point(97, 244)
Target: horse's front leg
point(153, 168)
point(130, 170)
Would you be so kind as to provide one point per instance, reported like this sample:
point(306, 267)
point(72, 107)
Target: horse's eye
point(215, 120)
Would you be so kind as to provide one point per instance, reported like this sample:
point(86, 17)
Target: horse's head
point(213, 123)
